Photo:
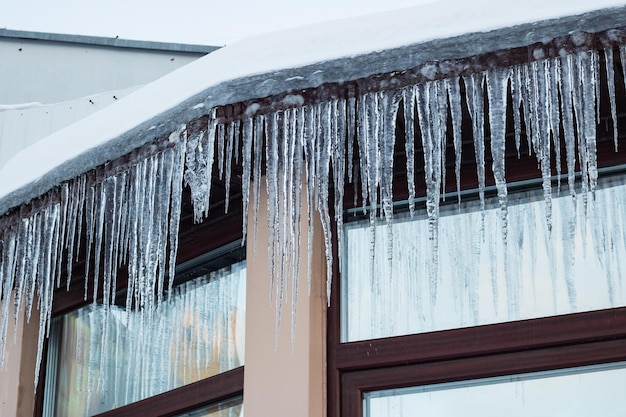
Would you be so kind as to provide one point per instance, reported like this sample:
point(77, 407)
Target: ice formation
point(129, 212)
point(197, 334)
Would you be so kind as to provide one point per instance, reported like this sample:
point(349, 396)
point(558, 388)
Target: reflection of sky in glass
point(584, 392)
point(109, 358)
point(575, 267)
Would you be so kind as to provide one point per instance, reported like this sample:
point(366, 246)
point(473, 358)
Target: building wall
point(50, 81)
point(52, 71)
point(23, 125)
point(17, 377)
point(285, 377)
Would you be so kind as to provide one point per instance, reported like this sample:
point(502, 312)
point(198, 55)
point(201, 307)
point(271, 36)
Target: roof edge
point(108, 42)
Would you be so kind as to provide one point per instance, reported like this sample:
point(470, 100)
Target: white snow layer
point(275, 51)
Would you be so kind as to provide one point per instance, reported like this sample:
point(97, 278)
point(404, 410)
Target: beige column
point(279, 381)
point(17, 378)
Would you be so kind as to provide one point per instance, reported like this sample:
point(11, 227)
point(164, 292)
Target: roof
point(290, 61)
point(106, 42)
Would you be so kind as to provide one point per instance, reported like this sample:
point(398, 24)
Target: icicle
point(475, 95)
point(456, 112)
point(309, 156)
point(610, 79)
point(497, 83)
point(221, 140)
point(20, 270)
point(259, 123)
point(527, 94)
point(350, 132)
point(176, 202)
point(389, 103)
point(541, 138)
point(296, 161)
point(195, 175)
point(247, 140)
point(233, 141)
point(517, 101)
point(442, 138)
point(324, 146)
point(567, 110)
point(554, 92)
point(369, 160)
point(338, 158)
point(408, 96)
point(428, 118)
point(363, 143)
point(280, 212)
point(76, 200)
point(585, 107)
point(63, 229)
point(271, 179)
point(569, 246)
point(7, 267)
point(89, 224)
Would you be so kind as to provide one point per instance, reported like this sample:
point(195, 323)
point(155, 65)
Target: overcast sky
point(187, 21)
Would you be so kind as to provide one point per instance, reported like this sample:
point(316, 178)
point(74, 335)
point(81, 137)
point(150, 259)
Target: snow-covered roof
point(290, 61)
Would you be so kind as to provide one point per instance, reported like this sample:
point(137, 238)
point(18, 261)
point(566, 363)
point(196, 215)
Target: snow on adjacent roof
point(282, 61)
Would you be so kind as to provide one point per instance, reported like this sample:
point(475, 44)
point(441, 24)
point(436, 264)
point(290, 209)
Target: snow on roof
point(291, 60)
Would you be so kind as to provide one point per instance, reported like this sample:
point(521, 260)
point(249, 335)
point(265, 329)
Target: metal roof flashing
point(107, 42)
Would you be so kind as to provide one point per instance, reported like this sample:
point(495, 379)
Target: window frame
point(543, 344)
point(540, 344)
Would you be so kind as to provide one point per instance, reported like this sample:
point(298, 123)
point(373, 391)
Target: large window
point(415, 333)
point(107, 357)
point(573, 267)
point(581, 391)
point(183, 357)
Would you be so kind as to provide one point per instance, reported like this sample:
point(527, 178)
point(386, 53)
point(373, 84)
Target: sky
point(208, 22)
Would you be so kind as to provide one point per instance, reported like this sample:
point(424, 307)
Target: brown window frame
point(541, 344)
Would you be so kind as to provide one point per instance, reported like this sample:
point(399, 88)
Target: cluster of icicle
point(176, 348)
point(132, 217)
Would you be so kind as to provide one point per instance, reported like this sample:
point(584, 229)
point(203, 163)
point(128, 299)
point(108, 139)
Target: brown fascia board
point(390, 68)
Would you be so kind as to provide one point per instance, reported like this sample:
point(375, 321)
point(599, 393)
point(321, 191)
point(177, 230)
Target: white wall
point(51, 72)
point(51, 82)
point(23, 125)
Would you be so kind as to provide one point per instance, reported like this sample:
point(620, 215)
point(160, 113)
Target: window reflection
point(109, 357)
point(576, 266)
point(585, 391)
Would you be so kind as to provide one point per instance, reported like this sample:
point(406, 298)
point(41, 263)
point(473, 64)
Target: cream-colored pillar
point(17, 378)
point(279, 381)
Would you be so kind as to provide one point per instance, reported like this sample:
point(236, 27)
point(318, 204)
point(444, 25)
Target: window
point(557, 309)
point(185, 360)
point(572, 268)
point(581, 391)
point(108, 357)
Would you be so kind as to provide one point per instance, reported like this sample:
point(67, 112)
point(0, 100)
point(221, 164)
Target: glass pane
point(588, 391)
point(228, 408)
point(574, 267)
point(197, 333)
